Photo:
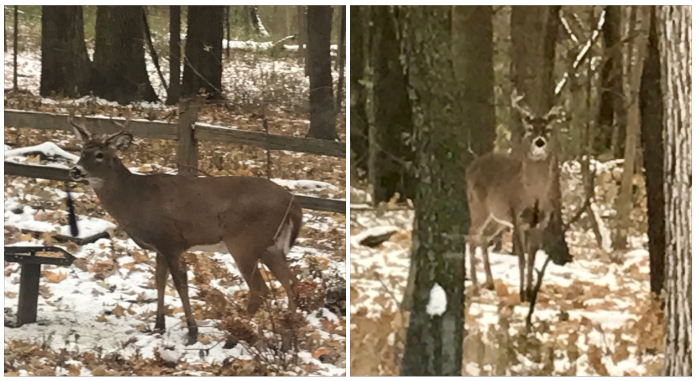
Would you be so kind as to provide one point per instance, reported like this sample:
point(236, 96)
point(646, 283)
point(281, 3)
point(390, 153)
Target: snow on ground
point(107, 298)
point(600, 304)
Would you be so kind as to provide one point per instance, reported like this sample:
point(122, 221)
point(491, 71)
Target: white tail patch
point(283, 241)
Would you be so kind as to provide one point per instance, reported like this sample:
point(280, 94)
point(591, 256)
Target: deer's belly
point(212, 248)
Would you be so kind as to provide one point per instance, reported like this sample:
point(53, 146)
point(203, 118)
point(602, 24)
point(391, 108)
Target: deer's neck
point(112, 186)
point(536, 176)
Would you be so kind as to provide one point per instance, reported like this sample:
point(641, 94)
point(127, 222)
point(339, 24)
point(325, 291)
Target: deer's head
point(98, 158)
point(538, 130)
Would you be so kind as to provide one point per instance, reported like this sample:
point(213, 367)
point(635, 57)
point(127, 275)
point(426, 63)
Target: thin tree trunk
point(340, 62)
point(203, 51)
point(228, 31)
point(608, 119)
point(14, 51)
point(303, 37)
point(321, 86)
point(151, 48)
point(624, 202)
point(358, 119)
point(174, 92)
point(675, 30)
point(435, 334)
point(651, 107)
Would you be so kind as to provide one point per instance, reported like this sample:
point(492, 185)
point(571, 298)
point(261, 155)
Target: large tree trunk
point(65, 65)
point(119, 70)
point(611, 97)
point(390, 151)
point(534, 32)
point(173, 93)
point(651, 106)
point(320, 78)
point(341, 60)
point(675, 30)
point(624, 202)
point(203, 51)
point(359, 128)
point(472, 45)
point(435, 334)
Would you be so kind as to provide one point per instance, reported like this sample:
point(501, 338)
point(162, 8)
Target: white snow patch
point(438, 301)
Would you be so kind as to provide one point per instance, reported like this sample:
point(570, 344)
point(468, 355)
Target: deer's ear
point(121, 142)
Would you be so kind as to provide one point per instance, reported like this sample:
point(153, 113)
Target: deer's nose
point(539, 142)
point(77, 173)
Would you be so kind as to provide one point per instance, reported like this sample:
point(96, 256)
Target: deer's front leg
point(179, 277)
point(518, 247)
point(161, 273)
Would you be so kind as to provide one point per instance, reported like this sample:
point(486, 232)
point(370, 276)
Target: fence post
point(187, 150)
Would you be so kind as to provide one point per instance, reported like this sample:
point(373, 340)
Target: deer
point(513, 191)
point(253, 219)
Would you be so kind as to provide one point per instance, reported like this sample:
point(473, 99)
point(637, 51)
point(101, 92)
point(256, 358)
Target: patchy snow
point(438, 301)
point(309, 185)
point(47, 148)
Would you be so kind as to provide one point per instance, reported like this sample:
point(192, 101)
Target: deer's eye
point(99, 155)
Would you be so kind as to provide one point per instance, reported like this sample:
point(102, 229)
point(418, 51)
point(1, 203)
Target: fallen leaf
point(118, 311)
point(101, 319)
point(55, 277)
point(74, 370)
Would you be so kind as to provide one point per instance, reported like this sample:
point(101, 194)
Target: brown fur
point(171, 214)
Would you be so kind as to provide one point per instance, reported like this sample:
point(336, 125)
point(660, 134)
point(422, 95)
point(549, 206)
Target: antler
point(121, 126)
point(81, 130)
point(516, 98)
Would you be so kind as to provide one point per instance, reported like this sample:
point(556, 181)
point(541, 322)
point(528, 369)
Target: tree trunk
point(14, 49)
point(612, 85)
point(624, 202)
point(174, 92)
point(203, 52)
point(390, 150)
point(65, 65)
point(651, 107)
point(320, 78)
point(302, 36)
point(119, 70)
point(472, 45)
point(675, 31)
point(534, 31)
point(255, 21)
point(359, 129)
point(341, 61)
point(435, 334)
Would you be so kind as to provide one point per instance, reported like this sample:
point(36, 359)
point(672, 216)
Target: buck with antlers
point(505, 191)
point(252, 218)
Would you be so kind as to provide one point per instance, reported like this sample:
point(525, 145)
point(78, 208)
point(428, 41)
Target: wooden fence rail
point(60, 174)
point(187, 132)
point(169, 131)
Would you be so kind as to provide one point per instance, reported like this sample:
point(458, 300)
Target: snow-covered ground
point(594, 316)
point(101, 306)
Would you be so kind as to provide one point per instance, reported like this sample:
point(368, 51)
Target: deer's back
point(492, 182)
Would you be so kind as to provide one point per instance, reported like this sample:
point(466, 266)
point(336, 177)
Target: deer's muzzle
point(77, 173)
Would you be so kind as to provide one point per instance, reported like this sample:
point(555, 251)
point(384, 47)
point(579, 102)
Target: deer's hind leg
point(246, 257)
point(492, 230)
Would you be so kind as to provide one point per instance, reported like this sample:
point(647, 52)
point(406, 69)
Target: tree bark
point(203, 52)
point(624, 202)
point(390, 150)
point(359, 129)
point(435, 336)
point(341, 61)
point(473, 65)
point(302, 36)
point(675, 31)
point(14, 49)
point(612, 92)
point(174, 92)
point(119, 70)
point(651, 107)
point(320, 78)
point(534, 32)
point(65, 65)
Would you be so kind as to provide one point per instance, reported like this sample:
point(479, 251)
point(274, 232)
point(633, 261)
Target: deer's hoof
point(191, 338)
point(523, 297)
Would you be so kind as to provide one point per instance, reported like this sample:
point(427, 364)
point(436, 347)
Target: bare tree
point(675, 31)
point(203, 51)
point(173, 92)
point(435, 334)
point(319, 68)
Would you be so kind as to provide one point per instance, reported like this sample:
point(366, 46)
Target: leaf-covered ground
point(93, 317)
point(594, 316)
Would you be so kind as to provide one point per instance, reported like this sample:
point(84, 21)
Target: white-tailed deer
point(256, 220)
point(513, 191)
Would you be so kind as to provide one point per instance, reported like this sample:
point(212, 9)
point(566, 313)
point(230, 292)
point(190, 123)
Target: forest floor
point(594, 316)
point(93, 317)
